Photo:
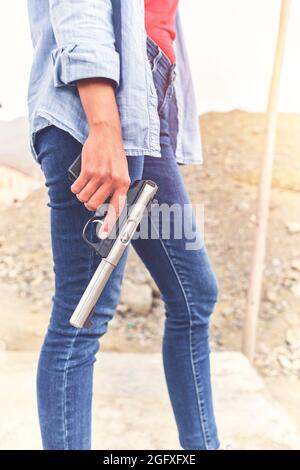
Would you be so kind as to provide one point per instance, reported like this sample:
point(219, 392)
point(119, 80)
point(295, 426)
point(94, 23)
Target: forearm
point(104, 169)
point(98, 99)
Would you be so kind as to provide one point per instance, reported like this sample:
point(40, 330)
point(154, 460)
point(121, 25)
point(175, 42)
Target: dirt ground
point(233, 147)
point(227, 186)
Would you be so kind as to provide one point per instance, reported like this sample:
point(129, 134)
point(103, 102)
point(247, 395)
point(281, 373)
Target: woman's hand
point(104, 169)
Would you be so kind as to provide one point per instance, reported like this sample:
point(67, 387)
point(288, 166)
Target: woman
point(107, 81)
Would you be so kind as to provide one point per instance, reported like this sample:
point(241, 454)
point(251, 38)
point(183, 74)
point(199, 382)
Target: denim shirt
point(77, 39)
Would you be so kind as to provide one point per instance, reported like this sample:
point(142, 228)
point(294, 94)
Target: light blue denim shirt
point(76, 39)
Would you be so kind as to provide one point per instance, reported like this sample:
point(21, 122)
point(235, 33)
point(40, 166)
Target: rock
point(153, 286)
point(293, 275)
point(293, 227)
point(270, 372)
point(138, 298)
point(295, 361)
point(296, 265)
point(271, 296)
point(257, 130)
point(289, 337)
point(276, 262)
point(37, 280)
point(295, 289)
point(137, 275)
point(122, 308)
point(292, 339)
point(284, 361)
point(243, 206)
point(227, 311)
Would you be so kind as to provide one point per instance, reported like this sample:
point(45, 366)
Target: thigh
point(74, 261)
point(179, 263)
point(174, 252)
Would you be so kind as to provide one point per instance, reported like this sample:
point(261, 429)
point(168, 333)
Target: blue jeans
point(185, 278)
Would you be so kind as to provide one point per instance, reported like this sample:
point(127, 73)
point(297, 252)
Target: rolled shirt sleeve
point(85, 39)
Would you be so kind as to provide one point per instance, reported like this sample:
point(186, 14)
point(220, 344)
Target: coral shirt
point(160, 24)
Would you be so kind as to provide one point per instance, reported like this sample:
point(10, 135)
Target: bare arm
point(104, 164)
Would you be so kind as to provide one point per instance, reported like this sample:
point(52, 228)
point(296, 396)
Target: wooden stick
point(264, 193)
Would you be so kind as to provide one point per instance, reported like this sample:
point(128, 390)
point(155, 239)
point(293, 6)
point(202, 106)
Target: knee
point(70, 348)
point(210, 286)
point(206, 283)
point(205, 297)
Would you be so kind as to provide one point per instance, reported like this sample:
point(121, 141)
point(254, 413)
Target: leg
point(65, 369)
point(189, 290)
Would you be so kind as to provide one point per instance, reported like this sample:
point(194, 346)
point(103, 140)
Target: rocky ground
point(227, 186)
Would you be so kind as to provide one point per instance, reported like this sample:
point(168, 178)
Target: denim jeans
point(185, 278)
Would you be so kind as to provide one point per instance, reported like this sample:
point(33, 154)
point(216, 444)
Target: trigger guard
point(94, 220)
point(101, 211)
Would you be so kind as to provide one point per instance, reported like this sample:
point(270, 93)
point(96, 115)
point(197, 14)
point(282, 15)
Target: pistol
point(139, 198)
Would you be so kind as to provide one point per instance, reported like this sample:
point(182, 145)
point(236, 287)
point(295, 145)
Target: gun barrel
point(85, 307)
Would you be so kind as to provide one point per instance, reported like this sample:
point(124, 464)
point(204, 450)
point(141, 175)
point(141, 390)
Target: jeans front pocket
point(164, 84)
point(36, 140)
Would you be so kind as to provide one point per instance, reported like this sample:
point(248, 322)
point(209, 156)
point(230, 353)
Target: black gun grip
point(75, 169)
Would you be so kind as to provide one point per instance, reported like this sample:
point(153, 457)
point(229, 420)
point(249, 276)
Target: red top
point(160, 24)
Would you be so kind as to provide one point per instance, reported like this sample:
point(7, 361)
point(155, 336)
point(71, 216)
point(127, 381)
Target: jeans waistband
point(158, 59)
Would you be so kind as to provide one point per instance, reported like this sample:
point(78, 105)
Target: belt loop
point(154, 53)
point(156, 58)
point(172, 73)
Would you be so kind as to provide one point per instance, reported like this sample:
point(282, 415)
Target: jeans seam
point(65, 381)
point(166, 97)
point(200, 401)
point(190, 339)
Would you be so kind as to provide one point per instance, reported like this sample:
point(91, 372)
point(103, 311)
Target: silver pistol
point(140, 197)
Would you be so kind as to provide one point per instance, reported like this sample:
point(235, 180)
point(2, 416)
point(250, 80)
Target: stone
point(284, 361)
point(296, 264)
point(37, 280)
point(295, 289)
point(227, 311)
point(271, 296)
point(138, 297)
point(276, 262)
point(243, 206)
point(289, 337)
point(293, 275)
point(122, 308)
point(293, 227)
point(154, 287)
point(257, 130)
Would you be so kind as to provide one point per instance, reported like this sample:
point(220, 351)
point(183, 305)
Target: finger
point(80, 183)
point(115, 208)
point(99, 197)
point(89, 190)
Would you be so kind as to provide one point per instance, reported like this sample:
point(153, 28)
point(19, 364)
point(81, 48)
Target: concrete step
point(132, 408)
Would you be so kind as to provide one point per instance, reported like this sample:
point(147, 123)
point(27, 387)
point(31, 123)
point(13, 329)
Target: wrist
point(108, 124)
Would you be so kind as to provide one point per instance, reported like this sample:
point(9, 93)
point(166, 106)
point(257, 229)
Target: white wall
point(231, 45)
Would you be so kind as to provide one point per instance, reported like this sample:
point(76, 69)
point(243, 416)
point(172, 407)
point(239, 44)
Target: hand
point(104, 169)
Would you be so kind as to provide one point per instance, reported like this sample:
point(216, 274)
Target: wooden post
point(264, 193)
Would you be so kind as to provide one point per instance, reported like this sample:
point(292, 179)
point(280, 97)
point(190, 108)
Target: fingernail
point(103, 235)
